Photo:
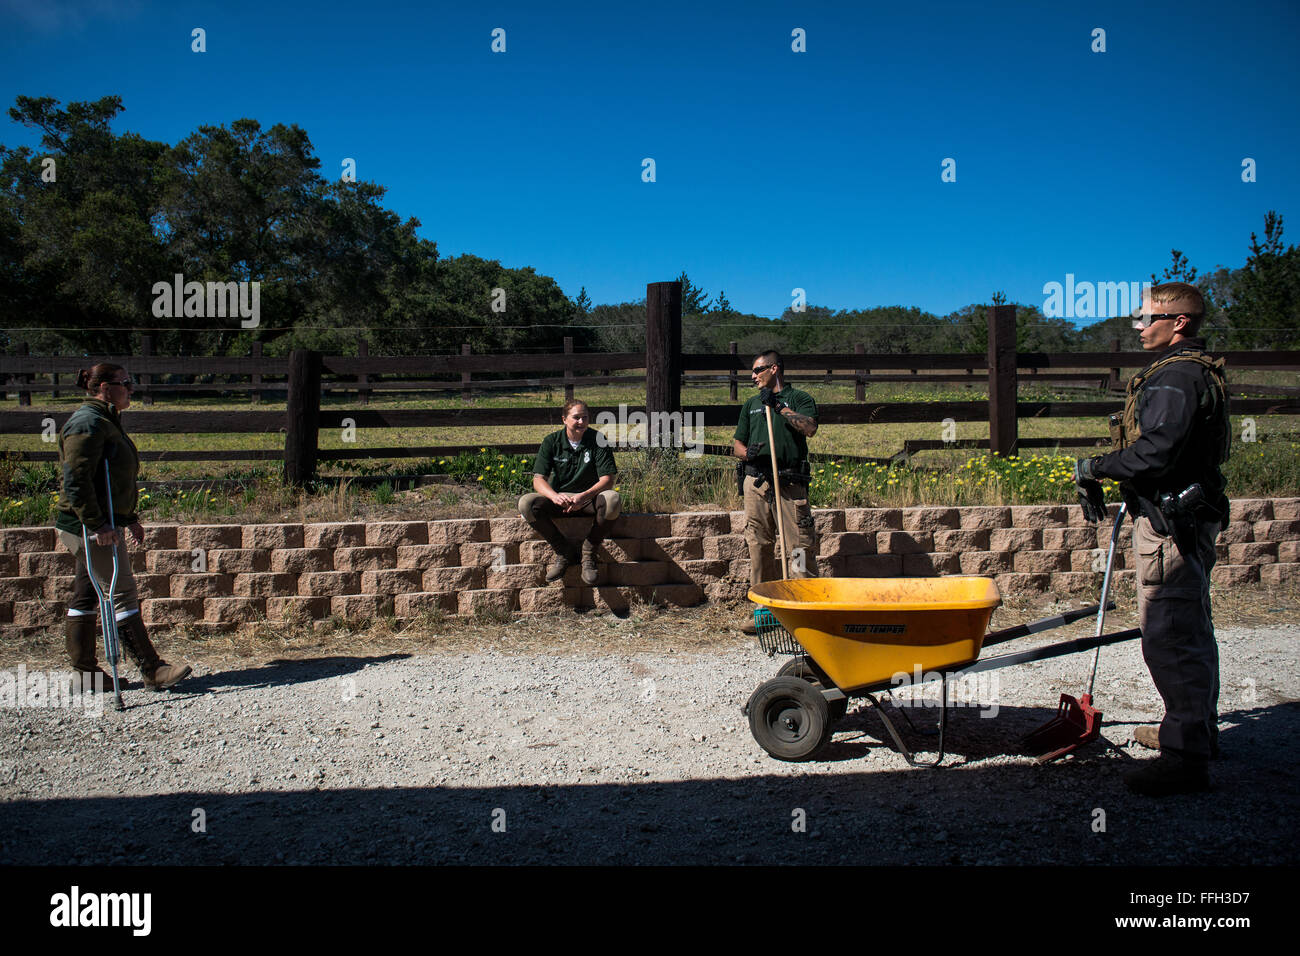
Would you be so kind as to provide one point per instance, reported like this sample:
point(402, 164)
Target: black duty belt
point(799, 474)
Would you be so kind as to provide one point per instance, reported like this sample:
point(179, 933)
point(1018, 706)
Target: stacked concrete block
point(221, 575)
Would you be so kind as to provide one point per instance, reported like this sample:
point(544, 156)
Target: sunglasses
point(1145, 321)
point(125, 383)
point(761, 368)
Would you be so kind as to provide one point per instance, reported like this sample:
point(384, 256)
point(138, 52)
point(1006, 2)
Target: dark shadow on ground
point(277, 673)
point(992, 813)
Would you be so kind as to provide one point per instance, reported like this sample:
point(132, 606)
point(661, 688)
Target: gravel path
point(629, 758)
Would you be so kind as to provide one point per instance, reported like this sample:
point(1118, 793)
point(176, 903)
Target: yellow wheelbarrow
point(855, 637)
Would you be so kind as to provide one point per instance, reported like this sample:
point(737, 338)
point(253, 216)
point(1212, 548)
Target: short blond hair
point(1185, 298)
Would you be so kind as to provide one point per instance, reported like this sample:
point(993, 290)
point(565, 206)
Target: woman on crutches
point(93, 449)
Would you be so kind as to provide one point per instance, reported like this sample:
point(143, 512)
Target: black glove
point(754, 452)
point(768, 398)
point(1091, 498)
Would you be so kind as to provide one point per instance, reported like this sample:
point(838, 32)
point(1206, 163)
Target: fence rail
point(304, 377)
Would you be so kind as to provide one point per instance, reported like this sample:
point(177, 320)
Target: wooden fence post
point(860, 376)
point(363, 351)
point(146, 349)
point(302, 418)
point(465, 393)
point(1113, 384)
point(568, 368)
point(733, 380)
point(256, 352)
point(663, 354)
point(1002, 380)
point(24, 398)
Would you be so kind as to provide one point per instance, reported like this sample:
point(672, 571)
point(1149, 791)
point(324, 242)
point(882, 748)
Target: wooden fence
point(305, 376)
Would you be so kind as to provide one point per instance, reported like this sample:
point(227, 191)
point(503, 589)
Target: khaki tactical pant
point(1178, 634)
point(101, 560)
point(761, 531)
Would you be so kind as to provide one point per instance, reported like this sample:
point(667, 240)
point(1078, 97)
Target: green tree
point(80, 252)
point(1266, 294)
point(695, 301)
point(583, 301)
point(1178, 270)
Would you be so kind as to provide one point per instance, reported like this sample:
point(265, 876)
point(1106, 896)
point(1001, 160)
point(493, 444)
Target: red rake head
point(1076, 723)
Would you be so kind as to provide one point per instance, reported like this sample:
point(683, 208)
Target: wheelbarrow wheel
point(789, 718)
point(799, 667)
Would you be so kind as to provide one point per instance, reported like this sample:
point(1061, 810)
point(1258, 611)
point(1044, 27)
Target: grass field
point(489, 483)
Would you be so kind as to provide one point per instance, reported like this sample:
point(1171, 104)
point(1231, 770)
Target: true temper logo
point(875, 628)
point(103, 909)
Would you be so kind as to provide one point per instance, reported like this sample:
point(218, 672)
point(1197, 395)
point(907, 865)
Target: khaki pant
point(540, 512)
point(761, 531)
point(1178, 634)
point(101, 559)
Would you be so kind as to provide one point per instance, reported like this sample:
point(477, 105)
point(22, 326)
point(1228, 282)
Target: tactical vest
point(1125, 429)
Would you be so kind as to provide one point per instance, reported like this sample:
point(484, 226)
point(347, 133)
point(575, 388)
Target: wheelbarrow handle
point(1044, 624)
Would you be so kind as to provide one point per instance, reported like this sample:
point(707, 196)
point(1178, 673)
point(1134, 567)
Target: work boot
point(79, 638)
point(589, 566)
point(157, 673)
point(561, 564)
point(1169, 774)
point(1148, 736)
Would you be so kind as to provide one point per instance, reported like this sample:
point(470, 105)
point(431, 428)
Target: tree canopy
point(93, 220)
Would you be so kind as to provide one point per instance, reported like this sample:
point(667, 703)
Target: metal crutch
point(107, 615)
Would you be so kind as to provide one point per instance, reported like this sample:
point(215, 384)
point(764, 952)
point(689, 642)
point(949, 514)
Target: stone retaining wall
point(220, 575)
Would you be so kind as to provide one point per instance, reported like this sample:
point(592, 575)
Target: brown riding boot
point(556, 569)
point(590, 570)
point(157, 673)
point(79, 638)
point(565, 554)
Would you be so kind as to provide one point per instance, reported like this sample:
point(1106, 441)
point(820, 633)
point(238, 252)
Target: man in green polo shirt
point(794, 421)
point(573, 474)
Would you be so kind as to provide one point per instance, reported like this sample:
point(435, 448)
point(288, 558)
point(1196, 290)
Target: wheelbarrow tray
point(863, 631)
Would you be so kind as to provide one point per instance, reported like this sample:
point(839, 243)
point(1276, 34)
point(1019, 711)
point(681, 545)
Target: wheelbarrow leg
point(898, 740)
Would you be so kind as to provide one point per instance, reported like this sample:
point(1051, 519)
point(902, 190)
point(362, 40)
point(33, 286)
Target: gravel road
point(485, 757)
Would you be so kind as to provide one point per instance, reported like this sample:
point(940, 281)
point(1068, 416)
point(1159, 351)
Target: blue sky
point(774, 169)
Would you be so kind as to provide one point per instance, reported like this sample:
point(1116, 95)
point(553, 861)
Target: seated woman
point(572, 475)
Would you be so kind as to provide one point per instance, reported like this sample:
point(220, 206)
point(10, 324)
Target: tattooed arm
point(805, 425)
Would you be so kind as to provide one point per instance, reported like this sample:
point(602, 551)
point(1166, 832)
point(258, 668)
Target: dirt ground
point(621, 740)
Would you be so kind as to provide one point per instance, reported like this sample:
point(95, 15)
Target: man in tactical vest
point(794, 421)
point(1169, 443)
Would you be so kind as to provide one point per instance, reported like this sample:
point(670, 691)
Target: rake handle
point(776, 494)
point(1105, 591)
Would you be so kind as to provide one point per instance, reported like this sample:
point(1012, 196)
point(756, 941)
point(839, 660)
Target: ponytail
point(91, 378)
